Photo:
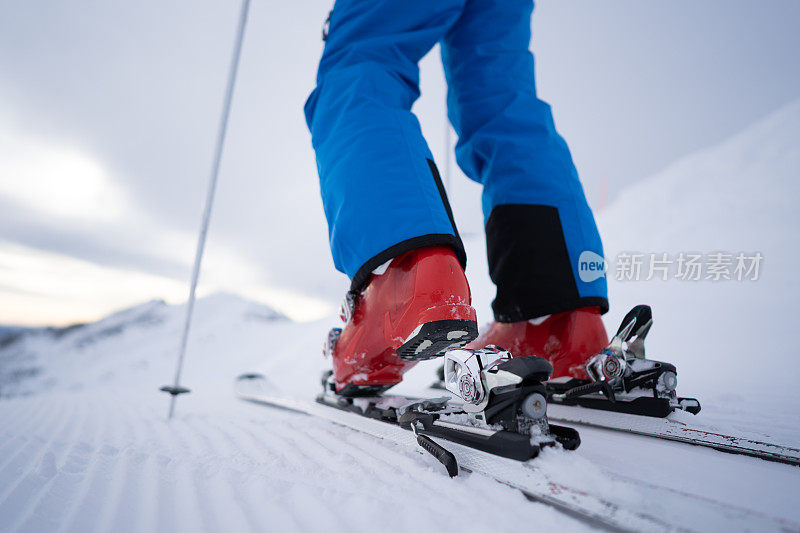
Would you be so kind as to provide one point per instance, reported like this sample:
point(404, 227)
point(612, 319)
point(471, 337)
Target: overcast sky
point(108, 112)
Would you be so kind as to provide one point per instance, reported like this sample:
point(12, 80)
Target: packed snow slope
point(84, 444)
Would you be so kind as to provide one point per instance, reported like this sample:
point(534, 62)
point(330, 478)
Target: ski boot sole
point(432, 339)
point(351, 390)
point(354, 391)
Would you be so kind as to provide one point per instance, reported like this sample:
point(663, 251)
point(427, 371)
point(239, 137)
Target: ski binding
point(500, 407)
point(622, 379)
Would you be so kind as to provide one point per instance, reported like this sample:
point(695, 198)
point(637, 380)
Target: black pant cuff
point(361, 278)
point(511, 312)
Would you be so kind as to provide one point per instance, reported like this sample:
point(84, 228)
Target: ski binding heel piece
point(503, 408)
point(500, 407)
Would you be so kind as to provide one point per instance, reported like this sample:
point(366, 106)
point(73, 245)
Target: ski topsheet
point(672, 428)
point(612, 507)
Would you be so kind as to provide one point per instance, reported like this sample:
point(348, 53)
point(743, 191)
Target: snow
point(85, 445)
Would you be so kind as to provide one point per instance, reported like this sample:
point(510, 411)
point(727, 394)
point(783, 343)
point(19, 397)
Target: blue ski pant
point(381, 190)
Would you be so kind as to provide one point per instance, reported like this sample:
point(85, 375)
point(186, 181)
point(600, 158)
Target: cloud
point(58, 181)
point(38, 287)
point(114, 252)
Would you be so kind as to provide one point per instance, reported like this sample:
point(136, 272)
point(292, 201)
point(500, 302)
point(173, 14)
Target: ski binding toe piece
point(622, 379)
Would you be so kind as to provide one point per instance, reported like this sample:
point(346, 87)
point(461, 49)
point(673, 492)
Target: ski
point(671, 428)
point(675, 428)
point(617, 509)
point(630, 393)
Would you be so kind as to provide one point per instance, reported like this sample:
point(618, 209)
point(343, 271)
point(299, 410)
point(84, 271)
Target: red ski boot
point(566, 339)
point(415, 310)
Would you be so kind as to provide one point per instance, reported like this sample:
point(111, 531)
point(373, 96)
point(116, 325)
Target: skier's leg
point(538, 223)
point(537, 220)
point(380, 188)
point(389, 222)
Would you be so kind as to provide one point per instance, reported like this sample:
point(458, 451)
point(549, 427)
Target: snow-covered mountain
point(124, 346)
point(84, 444)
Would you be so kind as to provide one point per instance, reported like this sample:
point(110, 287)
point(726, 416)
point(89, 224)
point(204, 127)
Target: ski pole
point(176, 389)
